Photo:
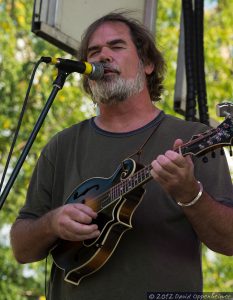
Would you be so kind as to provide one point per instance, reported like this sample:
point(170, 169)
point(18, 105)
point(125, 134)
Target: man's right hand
point(73, 222)
point(32, 239)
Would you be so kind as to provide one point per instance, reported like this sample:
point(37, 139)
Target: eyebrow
point(110, 43)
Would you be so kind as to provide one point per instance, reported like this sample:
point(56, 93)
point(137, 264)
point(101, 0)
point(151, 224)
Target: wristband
point(195, 199)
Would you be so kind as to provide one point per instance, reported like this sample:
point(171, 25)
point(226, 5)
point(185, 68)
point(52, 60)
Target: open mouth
point(110, 71)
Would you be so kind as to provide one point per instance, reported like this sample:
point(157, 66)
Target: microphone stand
point(57, 85)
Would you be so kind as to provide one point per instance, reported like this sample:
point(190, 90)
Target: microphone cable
point(19, 123)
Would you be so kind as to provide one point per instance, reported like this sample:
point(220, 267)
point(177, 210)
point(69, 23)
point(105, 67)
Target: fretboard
point(137, 179)
point(130, 183)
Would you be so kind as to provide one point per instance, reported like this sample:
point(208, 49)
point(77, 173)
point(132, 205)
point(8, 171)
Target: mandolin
point(115, 199)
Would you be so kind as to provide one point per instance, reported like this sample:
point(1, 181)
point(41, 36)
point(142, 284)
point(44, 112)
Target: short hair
point(144, 43)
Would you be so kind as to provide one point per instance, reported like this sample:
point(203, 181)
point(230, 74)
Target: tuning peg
point(205, 159)
point(222, 151)
point(213, 154)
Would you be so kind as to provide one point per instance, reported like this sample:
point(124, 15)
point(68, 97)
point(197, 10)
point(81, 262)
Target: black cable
point(200, 62)
point(45, 277)
point(189, 60)
point(19, 124)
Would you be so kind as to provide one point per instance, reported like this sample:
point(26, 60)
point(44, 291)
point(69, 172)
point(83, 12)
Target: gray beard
point(113, 89)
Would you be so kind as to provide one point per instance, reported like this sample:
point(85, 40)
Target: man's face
point(124, 75)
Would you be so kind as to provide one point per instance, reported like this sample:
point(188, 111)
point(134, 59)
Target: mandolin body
point(80, 259)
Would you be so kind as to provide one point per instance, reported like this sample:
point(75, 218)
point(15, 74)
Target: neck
point(131, 114)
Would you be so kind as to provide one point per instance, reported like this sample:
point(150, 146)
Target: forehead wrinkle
point(115, 30)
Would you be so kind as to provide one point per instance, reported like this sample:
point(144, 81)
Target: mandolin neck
point(127, 185)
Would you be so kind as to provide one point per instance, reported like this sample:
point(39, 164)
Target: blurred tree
point(217, 272)
point(20, 49)
point(218, 47)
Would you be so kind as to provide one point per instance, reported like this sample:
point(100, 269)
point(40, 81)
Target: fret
point(129, 185)
point(136, 178)
point(143, 175)
point(113, 192)
point(134, 184)
point(124, 188)
point(140, 176)
point(121, 189)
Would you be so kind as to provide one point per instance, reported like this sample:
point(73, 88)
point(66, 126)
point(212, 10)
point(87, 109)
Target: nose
point(105, 55)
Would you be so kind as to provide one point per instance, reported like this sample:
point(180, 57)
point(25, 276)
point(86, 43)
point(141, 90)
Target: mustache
point(111, 68)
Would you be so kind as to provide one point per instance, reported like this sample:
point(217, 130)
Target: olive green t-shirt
point(162, 251)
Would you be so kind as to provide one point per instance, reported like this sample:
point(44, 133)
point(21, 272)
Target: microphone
point(94, 71)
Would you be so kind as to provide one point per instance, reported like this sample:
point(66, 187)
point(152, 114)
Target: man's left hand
point(175, 173)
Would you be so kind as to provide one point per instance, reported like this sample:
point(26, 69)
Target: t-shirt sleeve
point(39, 194)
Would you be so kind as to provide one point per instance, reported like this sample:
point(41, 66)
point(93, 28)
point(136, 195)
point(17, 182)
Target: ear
point(149, 68)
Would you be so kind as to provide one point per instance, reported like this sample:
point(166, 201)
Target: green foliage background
point(20, 49)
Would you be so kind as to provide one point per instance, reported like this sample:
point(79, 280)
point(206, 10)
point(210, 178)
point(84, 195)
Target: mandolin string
point(121, 185)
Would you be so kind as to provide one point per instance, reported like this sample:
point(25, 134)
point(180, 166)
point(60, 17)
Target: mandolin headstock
point(210, 140)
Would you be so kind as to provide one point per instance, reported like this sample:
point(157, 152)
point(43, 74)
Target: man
point(162, 251)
